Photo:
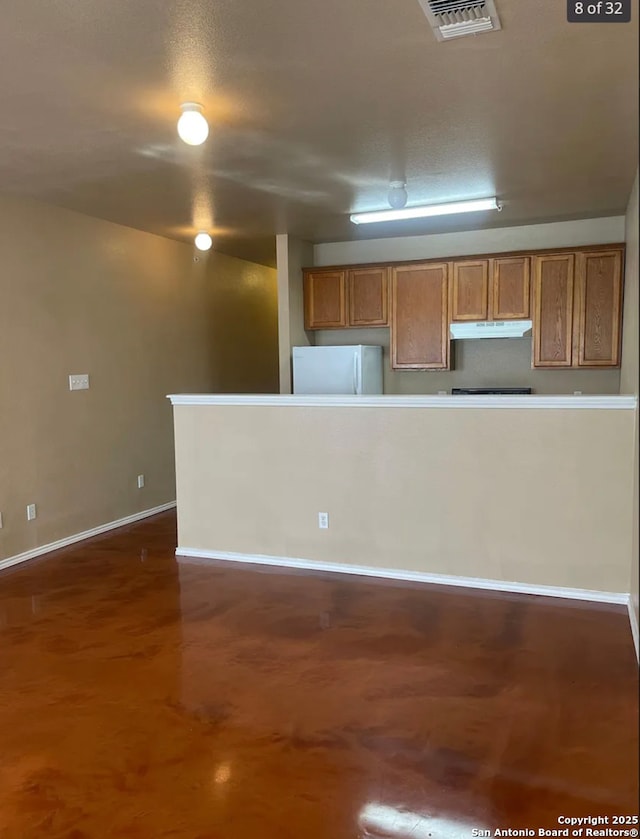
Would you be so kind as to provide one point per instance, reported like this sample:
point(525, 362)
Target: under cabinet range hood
point(491, 329)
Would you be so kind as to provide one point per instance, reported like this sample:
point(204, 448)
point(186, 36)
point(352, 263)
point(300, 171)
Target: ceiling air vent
point(455, 18)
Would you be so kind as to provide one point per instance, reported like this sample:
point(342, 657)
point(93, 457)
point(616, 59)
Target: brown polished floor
point(145, 698)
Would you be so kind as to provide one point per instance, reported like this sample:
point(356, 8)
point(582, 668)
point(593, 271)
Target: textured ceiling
point(314, 105)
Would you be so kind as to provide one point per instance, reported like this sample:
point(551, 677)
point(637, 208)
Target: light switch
point(79, 381)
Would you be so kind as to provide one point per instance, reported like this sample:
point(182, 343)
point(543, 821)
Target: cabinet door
point(510, 288)
point(553, 310)
point(469, 290)
point(325, 299)
point(368, 296)
point(419, 317)
point(599, 308)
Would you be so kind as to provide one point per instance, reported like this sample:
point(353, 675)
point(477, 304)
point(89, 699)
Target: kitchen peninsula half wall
point(526, 493)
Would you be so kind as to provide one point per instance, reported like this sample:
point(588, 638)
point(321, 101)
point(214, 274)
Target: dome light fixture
point(193, 128)
point(203, 241)
point(397, 195)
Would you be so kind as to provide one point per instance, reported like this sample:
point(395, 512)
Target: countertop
point(524, 402)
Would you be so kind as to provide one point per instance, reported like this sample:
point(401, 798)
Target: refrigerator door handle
point(359, 372)
point(355, 372)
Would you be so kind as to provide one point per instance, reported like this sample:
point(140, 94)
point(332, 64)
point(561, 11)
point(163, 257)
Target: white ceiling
point(314, 106)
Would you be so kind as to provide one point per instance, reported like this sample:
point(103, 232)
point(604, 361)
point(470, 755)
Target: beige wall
point(630, 347)
point(633, 586)
point(241, 300)
point(529, 496)
point(136, 312)
point(629, 370)
point(496, 362)
point(292, 256)
point(598, 231)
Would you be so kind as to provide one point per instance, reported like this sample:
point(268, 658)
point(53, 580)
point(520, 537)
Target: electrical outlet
point(323, 521)
point(32, 512)
point(140, 481)
point(79, 381)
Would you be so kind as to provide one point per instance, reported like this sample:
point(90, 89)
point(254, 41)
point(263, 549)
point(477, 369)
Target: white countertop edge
point(463, 402)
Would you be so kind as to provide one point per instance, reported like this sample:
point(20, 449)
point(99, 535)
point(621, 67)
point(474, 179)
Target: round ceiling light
point(193, 128)
point(397, 195)
point(203, 241)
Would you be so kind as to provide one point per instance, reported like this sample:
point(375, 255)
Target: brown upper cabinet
point(343, 297)
point(470, 290)
point(510, 288)
point(419, 317)
point(490, 289)
point(578, 309)
point(368, 296)
point(573, 296)
point(598, 309)
point(553, 310)
point(325, 299)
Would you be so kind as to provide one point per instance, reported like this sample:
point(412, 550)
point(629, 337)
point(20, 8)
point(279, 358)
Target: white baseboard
point(633, 620)
point(87, 534)
point(411, 576)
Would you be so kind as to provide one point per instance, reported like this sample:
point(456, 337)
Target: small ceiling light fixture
point(193, 128)
point(427, 210)
point(203, 241)
point(397, 195)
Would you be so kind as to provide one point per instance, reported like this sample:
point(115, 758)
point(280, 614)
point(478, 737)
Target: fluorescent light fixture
point(427, 210)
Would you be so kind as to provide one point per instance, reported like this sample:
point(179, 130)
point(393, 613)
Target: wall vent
point(455, 18)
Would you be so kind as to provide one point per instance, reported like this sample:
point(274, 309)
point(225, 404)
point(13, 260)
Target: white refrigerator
point(355, 370)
